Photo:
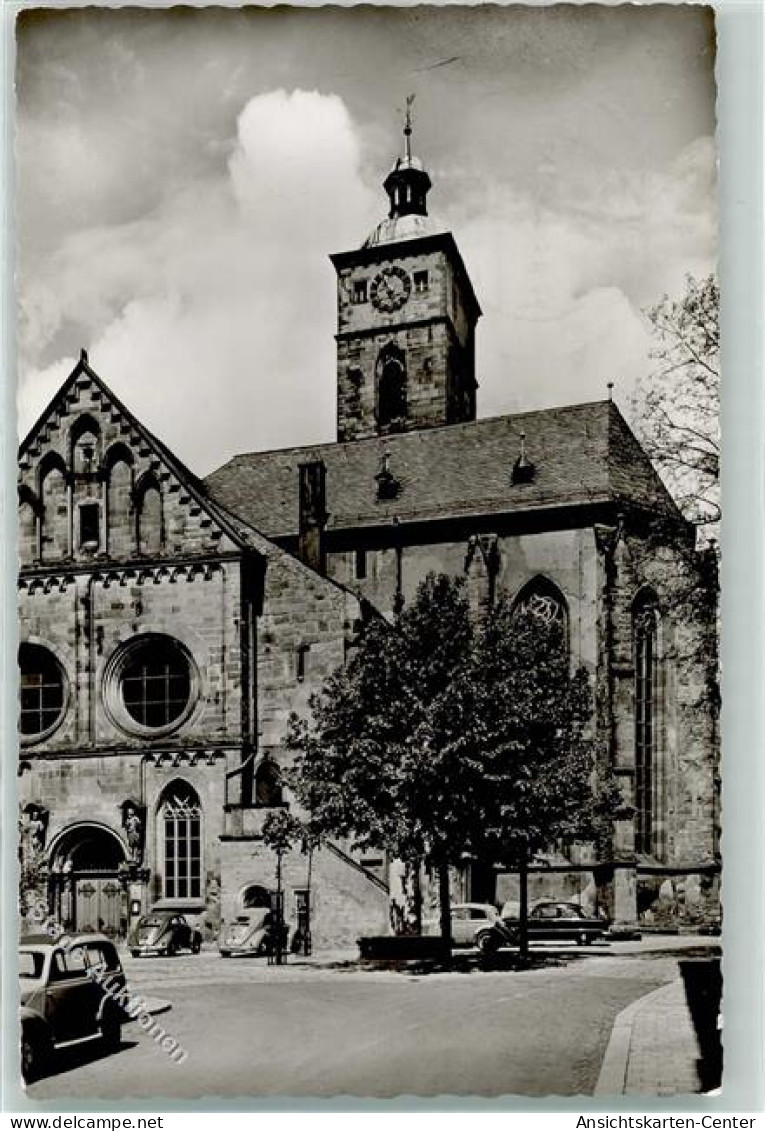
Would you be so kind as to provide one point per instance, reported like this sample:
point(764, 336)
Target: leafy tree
point(678, 406)
point(677, 412)
point(369, 764)
point(443, 739)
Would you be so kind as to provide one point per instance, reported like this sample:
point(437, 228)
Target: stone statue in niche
point(34, 829)
point(133, 824)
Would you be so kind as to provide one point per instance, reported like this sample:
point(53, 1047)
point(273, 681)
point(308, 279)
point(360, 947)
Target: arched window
point(120, 523)
point(54, 538)
point(86, 446)
point(391, 389)
point(645, 627)
point(43, 691)
point(541, 600)
point(180, 836)
point(29, 512)
point(149, 507)
point(268, 786)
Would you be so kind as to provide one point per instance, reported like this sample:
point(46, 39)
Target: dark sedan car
point(163, 932)
point(550, 921)
point(70, 993)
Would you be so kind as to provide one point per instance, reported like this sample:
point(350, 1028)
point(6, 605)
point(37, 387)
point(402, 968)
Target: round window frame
point(66, 692)
point(113, 692)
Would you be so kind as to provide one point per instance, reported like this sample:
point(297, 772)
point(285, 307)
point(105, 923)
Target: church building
point(170, 625)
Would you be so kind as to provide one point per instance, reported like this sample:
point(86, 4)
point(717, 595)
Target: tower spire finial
point(408, 128)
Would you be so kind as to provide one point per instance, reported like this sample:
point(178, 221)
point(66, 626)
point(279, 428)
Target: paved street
point(254, 1030)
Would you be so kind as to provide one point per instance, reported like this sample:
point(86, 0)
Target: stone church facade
point(169, 626)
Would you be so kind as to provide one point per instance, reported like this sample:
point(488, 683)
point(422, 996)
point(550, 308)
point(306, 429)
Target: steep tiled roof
point(582, 454)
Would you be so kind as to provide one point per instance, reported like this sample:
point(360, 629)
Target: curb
point(613, 1072)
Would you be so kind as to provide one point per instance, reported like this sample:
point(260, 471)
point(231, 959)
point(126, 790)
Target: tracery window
point(645, 624)
point(542, 601)
point(180, 816)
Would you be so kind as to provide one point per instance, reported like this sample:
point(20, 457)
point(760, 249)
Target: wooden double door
point(93, 901)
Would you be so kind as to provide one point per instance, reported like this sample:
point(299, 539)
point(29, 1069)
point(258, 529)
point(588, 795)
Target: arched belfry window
point(645, 636)
point(543, 601)
point(180, 834)
point(391, 389)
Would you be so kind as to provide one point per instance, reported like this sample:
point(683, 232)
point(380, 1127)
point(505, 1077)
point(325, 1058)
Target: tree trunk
point(445, 908)
point(405, 897)
point(524, 908)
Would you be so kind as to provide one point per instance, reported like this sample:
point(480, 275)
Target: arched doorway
point(85, 889)
point(255, 896)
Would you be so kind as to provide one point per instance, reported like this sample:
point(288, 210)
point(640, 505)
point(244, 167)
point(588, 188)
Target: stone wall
point(565, 557)
point(345, 902)
point(85, 619)
point(306, 625)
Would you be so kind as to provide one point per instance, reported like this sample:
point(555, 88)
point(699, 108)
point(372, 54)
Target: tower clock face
point(390, 288)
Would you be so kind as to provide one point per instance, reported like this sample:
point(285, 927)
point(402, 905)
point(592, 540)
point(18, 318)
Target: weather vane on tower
point(408, 126)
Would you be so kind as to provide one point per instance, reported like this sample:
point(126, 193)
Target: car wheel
point(111, 1030)
point(487, 943)
point(136, 953)
point(225, 954)
point(171, 949)
point(35, 1055)
point(196, 946)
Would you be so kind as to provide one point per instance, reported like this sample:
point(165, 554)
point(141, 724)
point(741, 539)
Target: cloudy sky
point(182, 176)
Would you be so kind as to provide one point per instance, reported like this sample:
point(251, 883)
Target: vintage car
point(70, 993)
point(163, 932)
point(551, 920)
point(473, 924)
point(250, 933)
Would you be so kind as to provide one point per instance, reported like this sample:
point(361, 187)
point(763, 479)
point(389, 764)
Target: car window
point(478, 913)
point(460, 913)
point(150, 921)
point(546, 911)
point(100, 954)
point(31, 963)
point(566, 911)
point(68, 964)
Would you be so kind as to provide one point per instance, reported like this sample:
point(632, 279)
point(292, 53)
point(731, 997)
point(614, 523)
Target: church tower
point(406, 318)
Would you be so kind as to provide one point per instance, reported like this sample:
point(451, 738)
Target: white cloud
point(563, 284)
point(213, 317)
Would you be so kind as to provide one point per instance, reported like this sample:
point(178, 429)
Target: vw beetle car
point(551, 920)
point(163, 932)
point(71, 990)
point(474, 924)
point(250, 933)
